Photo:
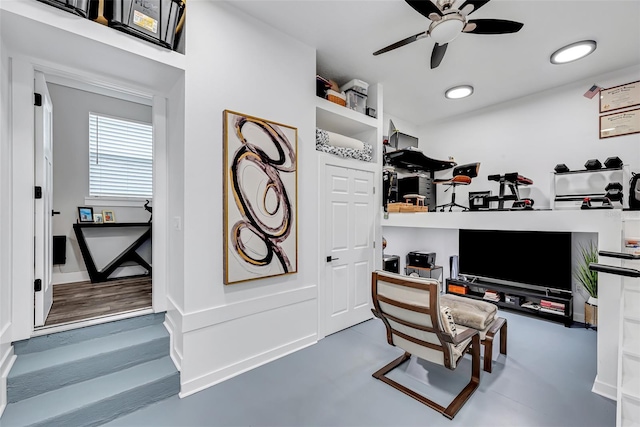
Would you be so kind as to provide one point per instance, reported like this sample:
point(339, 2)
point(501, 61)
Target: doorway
point(95, 169)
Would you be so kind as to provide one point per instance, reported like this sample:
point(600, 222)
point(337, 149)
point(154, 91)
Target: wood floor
point(85, 300)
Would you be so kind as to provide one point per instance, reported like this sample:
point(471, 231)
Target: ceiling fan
point(447, 22)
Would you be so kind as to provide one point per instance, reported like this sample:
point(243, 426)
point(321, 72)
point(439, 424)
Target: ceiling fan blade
point(477, 4)
point(437, 54)
point(424, 7)
point(494, 26)
point(400, 43)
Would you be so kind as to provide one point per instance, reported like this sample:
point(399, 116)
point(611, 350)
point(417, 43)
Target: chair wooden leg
point(457, 403)
point(468, 390)
point(498, 325)
point(503, 338)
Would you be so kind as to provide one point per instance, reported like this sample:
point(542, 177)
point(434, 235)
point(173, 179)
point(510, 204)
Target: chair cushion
point(468, 312)
point(457, 180)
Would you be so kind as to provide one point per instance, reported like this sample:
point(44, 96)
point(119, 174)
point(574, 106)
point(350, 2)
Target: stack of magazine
point(491, 295)
point(551, 307)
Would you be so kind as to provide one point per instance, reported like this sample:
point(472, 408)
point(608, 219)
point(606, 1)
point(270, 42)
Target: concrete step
point(46, 370)
point(58, 339)
point(99, 400)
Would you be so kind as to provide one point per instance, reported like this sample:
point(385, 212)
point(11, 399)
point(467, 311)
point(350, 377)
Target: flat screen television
point(520, 258)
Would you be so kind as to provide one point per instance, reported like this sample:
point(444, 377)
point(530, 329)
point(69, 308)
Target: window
point(120, 158)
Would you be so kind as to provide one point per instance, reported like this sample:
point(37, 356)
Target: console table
point(527, 300)
point(123, 254)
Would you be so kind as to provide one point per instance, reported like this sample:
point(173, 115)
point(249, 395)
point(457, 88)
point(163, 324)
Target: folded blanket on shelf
point(341, 145)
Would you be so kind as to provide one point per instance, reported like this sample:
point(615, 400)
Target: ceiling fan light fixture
point(446, 29)
point(458, 92)
point(573, 52)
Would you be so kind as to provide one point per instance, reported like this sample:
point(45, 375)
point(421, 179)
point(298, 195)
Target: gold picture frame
point(619, 97)
point(260, 198)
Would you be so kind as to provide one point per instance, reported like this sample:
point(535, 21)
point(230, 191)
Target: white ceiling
point(500, 67)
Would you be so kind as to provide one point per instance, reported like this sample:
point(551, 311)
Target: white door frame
point(325, 159)
point(22, 188)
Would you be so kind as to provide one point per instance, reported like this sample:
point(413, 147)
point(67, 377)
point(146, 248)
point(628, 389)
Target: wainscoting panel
point(220, 351)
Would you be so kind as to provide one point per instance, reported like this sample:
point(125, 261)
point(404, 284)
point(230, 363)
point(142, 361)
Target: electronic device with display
point(518, 258)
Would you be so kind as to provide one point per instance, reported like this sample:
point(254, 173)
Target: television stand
point(549, 303)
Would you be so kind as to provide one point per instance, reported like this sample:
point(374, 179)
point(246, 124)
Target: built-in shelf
point(336, 118)
point(620, 255)
point(62, 35)
point(588, 171)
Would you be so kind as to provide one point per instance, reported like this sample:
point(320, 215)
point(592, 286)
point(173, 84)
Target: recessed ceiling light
point(573, 52)
point(458, 92)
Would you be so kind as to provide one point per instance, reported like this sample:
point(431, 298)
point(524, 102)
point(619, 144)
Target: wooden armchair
point(410, 310)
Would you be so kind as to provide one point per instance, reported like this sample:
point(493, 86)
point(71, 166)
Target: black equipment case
point(151, 20)
point(79, 7)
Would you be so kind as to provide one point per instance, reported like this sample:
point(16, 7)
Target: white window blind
point(120, 157)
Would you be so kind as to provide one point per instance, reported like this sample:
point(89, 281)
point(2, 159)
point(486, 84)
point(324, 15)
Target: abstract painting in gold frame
point(260, 198)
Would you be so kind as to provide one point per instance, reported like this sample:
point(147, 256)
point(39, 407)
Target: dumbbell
point(613, 163)
point(561, 167)
point(592, 164)
point(614, 192)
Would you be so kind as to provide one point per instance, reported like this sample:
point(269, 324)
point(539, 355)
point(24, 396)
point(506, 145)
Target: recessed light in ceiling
point(458, 92)
point(573, 52)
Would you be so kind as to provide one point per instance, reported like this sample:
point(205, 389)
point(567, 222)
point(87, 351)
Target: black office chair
point(462, 175)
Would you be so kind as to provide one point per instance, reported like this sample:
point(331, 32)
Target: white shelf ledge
point(336, 118)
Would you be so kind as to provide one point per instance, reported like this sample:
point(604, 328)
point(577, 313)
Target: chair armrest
point(462, 336)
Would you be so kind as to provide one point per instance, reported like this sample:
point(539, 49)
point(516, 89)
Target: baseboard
point(174, 350)
point(604, 390)
point(72, 277)
point(6, 362)
point(243, 366)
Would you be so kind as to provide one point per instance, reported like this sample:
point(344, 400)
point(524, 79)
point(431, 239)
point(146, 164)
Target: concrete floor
point(545, 380)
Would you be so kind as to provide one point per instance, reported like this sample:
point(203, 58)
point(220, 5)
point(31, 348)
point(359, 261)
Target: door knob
point(329, 258)
point(54, 212)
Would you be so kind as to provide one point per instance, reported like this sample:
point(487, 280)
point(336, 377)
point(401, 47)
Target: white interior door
point(43, 202)
point(349, 248)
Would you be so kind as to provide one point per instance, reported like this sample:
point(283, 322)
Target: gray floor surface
point(545, 380)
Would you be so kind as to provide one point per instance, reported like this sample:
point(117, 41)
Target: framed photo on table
point(108, 216)
point(85, 214)
point(618, 124)
point(97, 218)
point(618, 97)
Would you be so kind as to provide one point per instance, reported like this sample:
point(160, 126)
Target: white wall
point(6, 350)
point(175, 255)
point(71, 108)
point(235, 62)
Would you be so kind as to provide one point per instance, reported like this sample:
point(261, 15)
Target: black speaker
point(592, 164)
point(453, 266)
point(613, 163)
point(59, 252)
point(391, 263)
point(561, 167)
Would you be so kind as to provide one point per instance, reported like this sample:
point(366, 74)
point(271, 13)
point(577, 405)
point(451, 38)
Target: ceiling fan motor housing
point(447, 28)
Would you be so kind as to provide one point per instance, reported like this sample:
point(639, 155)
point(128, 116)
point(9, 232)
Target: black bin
point(151, 20)
point(79, 7)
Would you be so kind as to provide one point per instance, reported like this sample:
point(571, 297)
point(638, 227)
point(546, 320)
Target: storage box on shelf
point(550, 304)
